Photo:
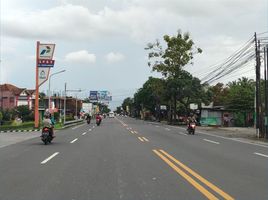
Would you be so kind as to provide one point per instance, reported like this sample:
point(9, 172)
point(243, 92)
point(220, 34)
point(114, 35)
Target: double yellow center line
point(179, 167)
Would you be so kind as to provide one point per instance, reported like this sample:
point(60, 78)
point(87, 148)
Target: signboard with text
point(100, 96)
point(93, 96)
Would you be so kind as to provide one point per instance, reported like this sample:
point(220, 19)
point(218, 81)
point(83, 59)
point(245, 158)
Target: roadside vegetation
point(177, 89)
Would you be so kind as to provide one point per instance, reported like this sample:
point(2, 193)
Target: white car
point(111, 114)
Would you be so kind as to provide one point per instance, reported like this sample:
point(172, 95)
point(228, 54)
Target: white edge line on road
point(222, 137)
point(74, 140)
point(77, 126)
point(167, 129)
point(211, 141)
point(182, 133)
point(84, 133)
point(260, 154)
point(49, 158)
point(145, 139)
point(90, 129)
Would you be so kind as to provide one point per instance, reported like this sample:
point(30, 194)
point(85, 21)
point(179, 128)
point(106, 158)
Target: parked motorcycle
point(46, 135)
point(191, 128)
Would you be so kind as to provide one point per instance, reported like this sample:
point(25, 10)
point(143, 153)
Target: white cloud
point(78, 22)
point(82, 57)
point(114, 57)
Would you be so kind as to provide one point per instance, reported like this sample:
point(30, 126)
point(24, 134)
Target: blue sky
point(101, 43)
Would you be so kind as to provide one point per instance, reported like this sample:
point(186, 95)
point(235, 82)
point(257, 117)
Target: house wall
point(210, 117)
point(8, 100)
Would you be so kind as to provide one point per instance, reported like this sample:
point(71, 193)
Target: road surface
point(131, 159)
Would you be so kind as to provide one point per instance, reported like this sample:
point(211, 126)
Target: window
point(11, 100)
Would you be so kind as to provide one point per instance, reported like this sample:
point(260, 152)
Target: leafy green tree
point(1, 116)
point(241, 95)
point(150, 95)
point(118, 109)
point(103, 107)
point(127, 104)
point(170, 63)
point(186, 89)
point(179, 52)
point(24, 113)
point(8, 114)
point(219, 94)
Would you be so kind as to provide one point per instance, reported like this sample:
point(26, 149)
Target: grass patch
point(22, 126)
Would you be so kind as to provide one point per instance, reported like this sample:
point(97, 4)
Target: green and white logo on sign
point(46, 51)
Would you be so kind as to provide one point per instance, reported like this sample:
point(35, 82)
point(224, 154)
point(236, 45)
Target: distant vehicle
point(191, 128)
point(111, 114)
point(46, 135)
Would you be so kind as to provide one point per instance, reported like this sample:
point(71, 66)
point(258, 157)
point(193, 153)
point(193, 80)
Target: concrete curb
point(13, 131)
point(35, 130)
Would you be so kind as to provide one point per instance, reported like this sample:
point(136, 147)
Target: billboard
point(93, 96)
point(100, 96)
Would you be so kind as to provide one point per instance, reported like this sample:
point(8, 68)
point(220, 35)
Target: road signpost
point(44, 61)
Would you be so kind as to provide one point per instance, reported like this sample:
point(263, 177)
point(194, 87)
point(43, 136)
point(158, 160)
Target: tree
point(219, 94)
point(127, 104)
point(150, 96)
point(187, 89)
point(179, 52)
point(24, 113)
point(103, 107)
point(241, 95)
point(1, 117)
point(118, 110)
point(170, 63)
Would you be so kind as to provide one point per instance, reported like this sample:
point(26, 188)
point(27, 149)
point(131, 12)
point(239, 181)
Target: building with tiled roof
point(12, 96)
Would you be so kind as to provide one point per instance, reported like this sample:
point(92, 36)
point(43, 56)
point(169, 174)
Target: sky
point(100, 43)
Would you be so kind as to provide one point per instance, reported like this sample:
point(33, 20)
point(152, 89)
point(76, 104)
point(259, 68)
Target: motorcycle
point(98, 121)
point(46, 135)
point(191, 128)
point(88, 121)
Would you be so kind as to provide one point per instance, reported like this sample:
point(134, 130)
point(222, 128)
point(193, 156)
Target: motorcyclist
point(88, 118)
point(98, 117)
point(190, 119)
point(49, 123)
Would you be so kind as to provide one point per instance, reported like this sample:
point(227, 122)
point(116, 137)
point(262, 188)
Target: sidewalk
point(241, 133)
point(246, 134)
point(9, 138)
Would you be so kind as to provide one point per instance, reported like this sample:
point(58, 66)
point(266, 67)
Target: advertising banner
point(93, 96)
point(100, 96)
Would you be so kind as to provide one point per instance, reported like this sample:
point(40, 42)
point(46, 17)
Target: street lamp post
point(65, 93)
point(49, 92)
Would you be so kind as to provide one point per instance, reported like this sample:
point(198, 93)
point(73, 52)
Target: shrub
point(56, 116)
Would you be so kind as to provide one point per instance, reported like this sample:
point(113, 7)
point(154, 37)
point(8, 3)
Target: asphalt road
point(131, 159)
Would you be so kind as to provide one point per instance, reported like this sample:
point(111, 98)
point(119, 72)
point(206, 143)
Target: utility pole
point(257, 51)
point(265, 89)
point(64, 117)
point(65, 93)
